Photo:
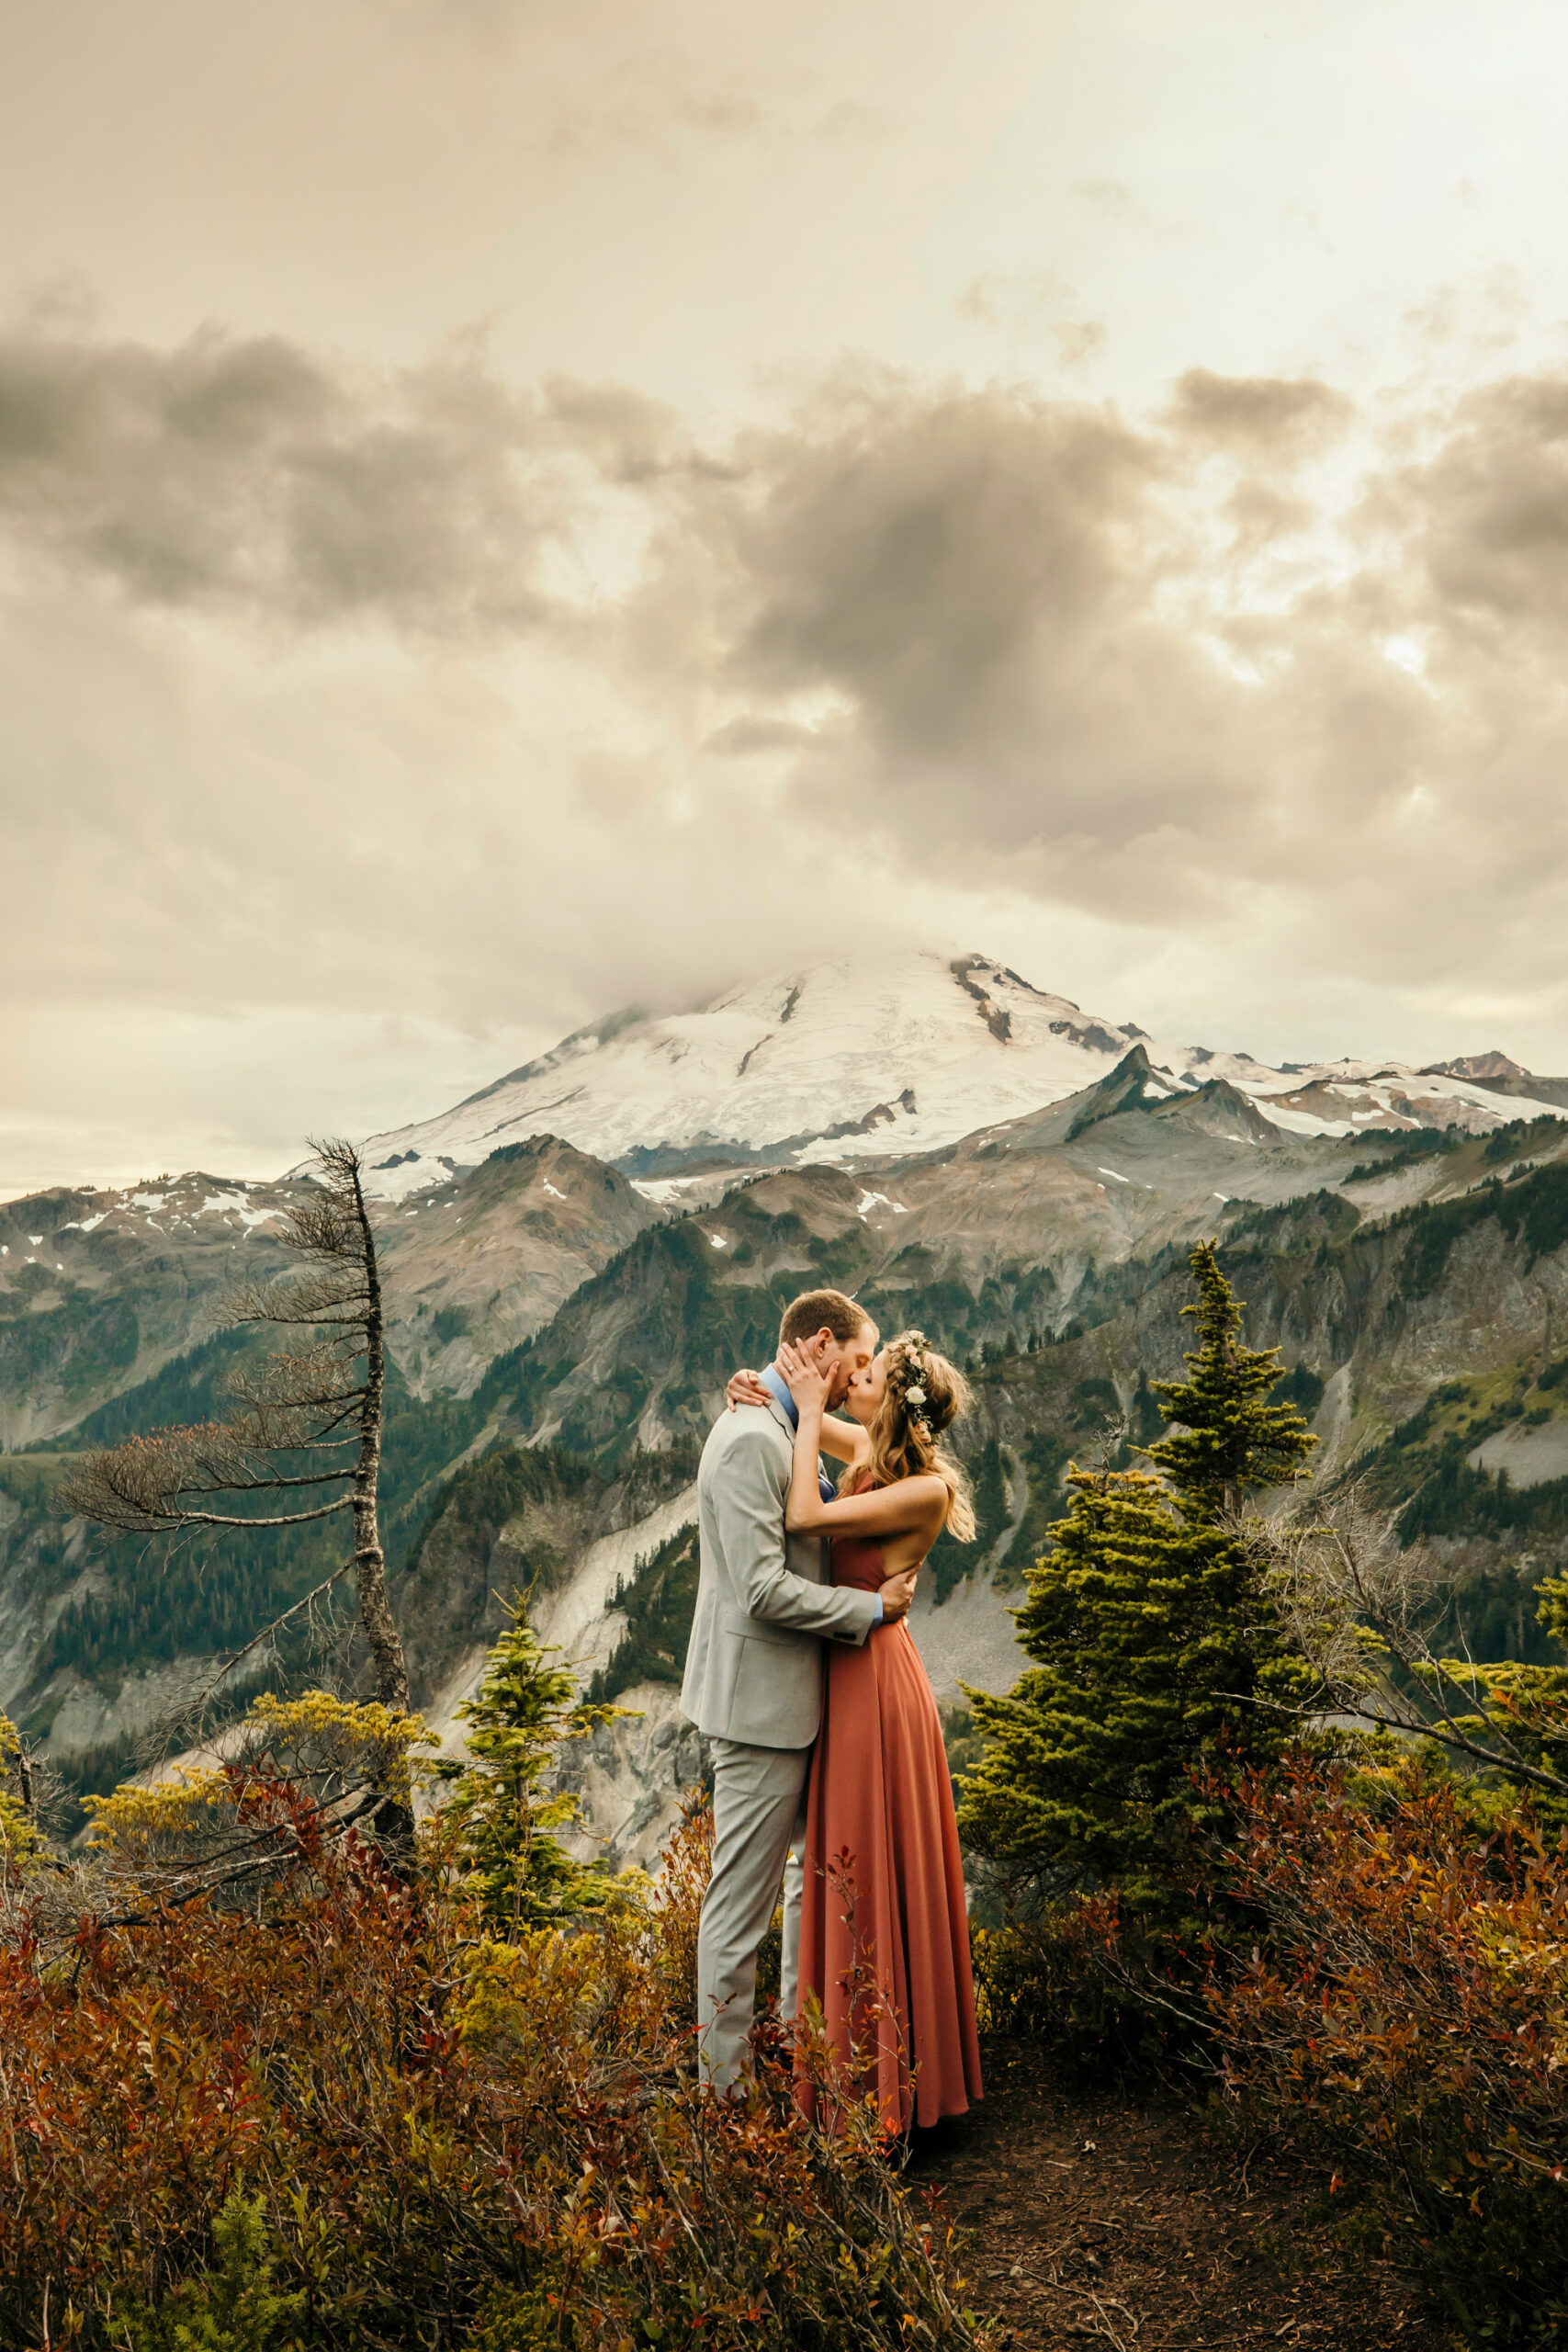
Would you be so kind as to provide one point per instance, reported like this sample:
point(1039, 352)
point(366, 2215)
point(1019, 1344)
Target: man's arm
point(748, 1500)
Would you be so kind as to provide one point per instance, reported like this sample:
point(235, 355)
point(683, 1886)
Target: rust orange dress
point(884, 1932)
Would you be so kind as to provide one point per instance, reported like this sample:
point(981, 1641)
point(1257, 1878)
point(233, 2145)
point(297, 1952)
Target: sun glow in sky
point(509, 506)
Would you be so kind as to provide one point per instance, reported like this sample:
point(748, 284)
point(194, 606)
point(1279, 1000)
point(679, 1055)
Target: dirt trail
point(1092, 2218)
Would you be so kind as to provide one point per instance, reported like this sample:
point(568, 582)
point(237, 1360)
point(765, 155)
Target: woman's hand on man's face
point(746, 1389)
point(804, 1377)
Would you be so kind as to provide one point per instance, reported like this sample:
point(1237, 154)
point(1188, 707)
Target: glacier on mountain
point(856, 1059)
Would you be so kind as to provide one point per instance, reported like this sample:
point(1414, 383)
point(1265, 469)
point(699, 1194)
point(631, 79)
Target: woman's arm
point(908, 1504)
point(845, 1441)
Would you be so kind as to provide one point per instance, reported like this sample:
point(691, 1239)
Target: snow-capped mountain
point(851, 1058)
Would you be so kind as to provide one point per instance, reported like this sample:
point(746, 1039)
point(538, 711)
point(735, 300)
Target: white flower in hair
point(914, 1396)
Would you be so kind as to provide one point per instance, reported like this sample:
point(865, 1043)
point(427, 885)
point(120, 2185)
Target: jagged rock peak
point(1478, 1066)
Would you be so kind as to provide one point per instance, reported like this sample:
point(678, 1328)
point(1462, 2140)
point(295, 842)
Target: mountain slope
point(860, 1058)
point(475, 1266)
point(100, 1289)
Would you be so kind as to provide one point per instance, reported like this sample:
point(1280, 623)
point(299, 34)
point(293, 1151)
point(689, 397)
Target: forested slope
point(1415, 1286)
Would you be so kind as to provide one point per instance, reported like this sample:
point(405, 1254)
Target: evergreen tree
point(1148, 1635)
point(1223, 1435)
point(234, 2305)
point(1144, 1419)
point(500, 1809)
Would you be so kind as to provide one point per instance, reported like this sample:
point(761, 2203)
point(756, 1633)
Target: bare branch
point(313, 1400)
point(1357, 1606)
point(146, 1485)
point(267, 1633)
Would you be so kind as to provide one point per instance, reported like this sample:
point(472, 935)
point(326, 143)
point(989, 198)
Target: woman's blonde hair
point(924, 1396)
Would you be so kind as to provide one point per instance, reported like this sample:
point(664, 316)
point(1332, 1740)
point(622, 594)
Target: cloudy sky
point(512, 506)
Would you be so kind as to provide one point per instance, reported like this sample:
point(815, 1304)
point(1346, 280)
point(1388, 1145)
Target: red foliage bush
point(454, 2138)
point(1407, 2005)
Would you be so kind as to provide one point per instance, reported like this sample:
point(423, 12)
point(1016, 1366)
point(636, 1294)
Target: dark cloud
point(629, 437)
point(1049, 666)
point(973, 581)
point(941, 559)
point(1282, 416)
point(1490, 509)
point(1014, 642)
point(247, 471)
point(1262, 514)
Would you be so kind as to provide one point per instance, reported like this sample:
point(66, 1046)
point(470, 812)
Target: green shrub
point(230, 2306)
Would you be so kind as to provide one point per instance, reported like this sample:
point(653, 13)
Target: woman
point(884, 1932)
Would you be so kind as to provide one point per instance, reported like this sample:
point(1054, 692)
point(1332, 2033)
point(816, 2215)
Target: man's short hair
point(818, 1310)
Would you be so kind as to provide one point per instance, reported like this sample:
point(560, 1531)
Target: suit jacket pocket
point(757, 1629)
point(775, 1695)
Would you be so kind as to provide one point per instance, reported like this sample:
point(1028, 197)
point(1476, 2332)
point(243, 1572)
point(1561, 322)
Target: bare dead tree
point(1360, 1608)
point(303, 1441)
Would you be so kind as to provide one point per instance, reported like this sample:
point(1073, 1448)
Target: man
point(753, 1680)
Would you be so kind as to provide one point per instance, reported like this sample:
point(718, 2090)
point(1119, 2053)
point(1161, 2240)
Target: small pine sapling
point(232, 2306)
point(501, 1811)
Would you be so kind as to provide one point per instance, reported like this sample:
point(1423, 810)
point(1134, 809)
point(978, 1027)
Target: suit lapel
point(782, 1418)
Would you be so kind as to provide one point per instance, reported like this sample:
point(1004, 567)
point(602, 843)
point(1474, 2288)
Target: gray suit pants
point(759, 1838)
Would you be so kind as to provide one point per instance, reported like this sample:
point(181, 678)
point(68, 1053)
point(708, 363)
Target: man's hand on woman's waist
point(896, 1595)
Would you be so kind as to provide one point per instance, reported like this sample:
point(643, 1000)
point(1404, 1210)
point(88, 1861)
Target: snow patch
point(234, 1205)
point(1301, 1122)
point(1115, 1178)
point(577, 1616)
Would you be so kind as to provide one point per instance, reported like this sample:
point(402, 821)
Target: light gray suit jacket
point(754, 1663)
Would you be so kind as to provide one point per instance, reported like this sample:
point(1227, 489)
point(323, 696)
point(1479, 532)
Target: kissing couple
point(829, 1771)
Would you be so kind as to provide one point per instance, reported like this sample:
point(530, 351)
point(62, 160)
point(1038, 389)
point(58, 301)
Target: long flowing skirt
point(884, 1929)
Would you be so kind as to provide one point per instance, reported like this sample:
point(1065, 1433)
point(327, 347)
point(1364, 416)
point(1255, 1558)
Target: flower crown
point(913, 1372)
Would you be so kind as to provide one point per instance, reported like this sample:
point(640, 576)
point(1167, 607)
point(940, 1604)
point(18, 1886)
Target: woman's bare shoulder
point(923, 1486)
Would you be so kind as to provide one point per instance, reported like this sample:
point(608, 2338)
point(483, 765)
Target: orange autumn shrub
point(424, 2134)
point(1404, 2009)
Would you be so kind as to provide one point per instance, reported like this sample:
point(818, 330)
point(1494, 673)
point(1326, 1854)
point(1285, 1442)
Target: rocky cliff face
point(477, 1265)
